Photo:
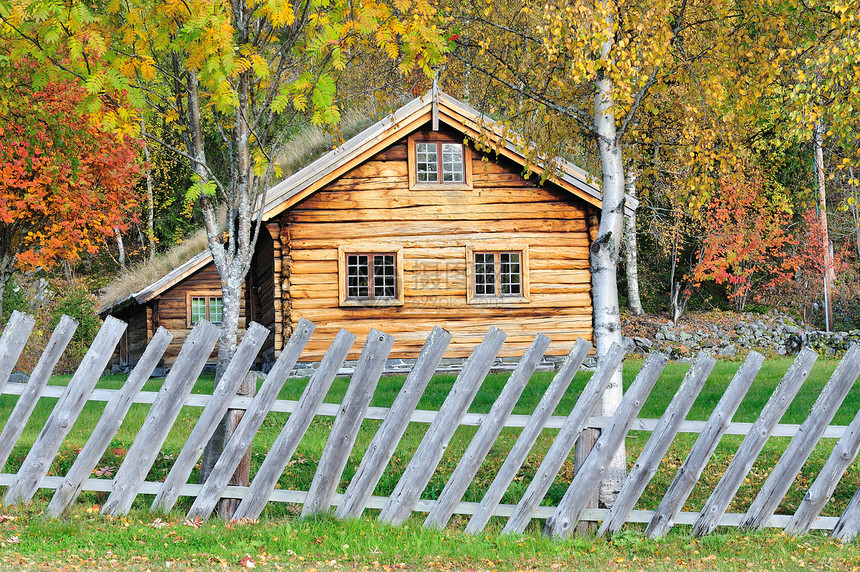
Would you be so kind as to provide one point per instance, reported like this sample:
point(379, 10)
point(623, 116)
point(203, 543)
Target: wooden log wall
point(372, 208)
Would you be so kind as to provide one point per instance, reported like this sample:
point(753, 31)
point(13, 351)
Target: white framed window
point(205, 306)
point(497, 274)
point(370, 276)
point(436, 161)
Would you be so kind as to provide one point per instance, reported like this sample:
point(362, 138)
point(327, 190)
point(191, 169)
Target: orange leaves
point(64, 183)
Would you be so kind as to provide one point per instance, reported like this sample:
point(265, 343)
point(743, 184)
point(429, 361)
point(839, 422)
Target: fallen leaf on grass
point(195, 522)
point(105, 472)
point(9, 517)
point(13, 540)
point(158, 523)
point(246, 562)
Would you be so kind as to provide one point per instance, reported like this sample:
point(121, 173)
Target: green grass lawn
point(300, 471)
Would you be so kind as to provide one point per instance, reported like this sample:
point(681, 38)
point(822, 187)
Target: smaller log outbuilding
point(425, 218)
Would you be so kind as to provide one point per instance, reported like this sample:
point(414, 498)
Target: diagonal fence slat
point(486, 435)
point(795, 455)
point(564, 440)
point(162, 415)
point(240, 440)
point(587, 480)
point(285, 445)
point(825, 483)
point(751, 446)
point(109, 423)
point(344, 431)
point(65, 413)
point(848, 525)
point(514, 460)
point(39, 377)
point(429, 452)
point(648, 462)
point(12, 342)
point(391, 430)
point(691, 469)
point(212, 414)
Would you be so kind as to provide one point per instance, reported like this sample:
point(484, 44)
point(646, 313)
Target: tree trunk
point(120, 248)
point(4, 280)
point(855, 213)
point(604, 257)
point(150, 197)
point(634, 303)
point(822, 213)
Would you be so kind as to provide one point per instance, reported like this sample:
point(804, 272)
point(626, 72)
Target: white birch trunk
point(634, 302)
point(604, 256)
point(822, 213)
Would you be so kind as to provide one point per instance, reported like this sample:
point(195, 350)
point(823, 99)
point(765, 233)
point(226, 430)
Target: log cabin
point(432, 216)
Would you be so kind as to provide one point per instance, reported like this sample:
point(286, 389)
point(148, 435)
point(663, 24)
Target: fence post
point(242, 475)
point(747, 453)
point(563, 442)
point(174, 391)
point(212, 416)
point(12, 342)
point(801, 446)
point(528, 436)
point(587, 480)
point(109, 423)
point(285, 445)
point(353, 408)
point(646, 465)
point(429, 452)
point(65, 413)
point(17, 420)
point(704, 447)
point(241, 439)
point(388, 435)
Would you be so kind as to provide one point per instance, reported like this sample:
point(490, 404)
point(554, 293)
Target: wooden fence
point(129, 481)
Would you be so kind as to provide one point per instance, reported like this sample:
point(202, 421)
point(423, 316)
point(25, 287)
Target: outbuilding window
point(202, 306)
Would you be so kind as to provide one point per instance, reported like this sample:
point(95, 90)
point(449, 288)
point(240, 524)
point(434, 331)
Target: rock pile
point(727, 334)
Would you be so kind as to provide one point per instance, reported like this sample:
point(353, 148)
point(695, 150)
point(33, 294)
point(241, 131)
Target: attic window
point(437, 161)
point(370, 276)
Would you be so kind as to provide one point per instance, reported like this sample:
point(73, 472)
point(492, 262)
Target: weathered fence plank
point(39, 377)
point(563, 443)
point(587, 480)
point(486, 435)
point(344, 431)
point(648, 462)
point(429, 452)
point(109, 423)
point(242, 437)
point(294, 429)
point(12, 342)
point(691, 469)
point(388, 435)
point(751, 446)
point(212, 415)
point(825, 483)
point(528, 436)
point(174, 391)
point(795, 455)
point(848, 525)
point(65, 413)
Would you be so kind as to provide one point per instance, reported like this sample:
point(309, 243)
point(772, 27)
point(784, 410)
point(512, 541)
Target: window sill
point(381, 303)
point(497, 301)
point(440, 187)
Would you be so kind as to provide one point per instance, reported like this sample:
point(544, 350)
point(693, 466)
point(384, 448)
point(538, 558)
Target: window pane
point(216, 310)
point(485, 274)
point(198, 309)
point(510, 274)
point(452, 163)
point(426, 163)
point(358, 276)
point(384, 269)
